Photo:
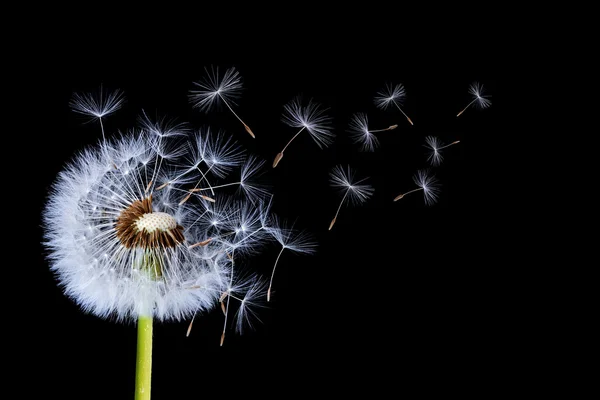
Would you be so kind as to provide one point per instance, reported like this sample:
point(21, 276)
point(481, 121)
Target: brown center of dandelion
point(138, 226)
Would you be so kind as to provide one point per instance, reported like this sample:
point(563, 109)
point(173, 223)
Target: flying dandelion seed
point(311, 118)
point(290, 239)
point(128, 239)
point(392, 95)
point(362, 135)
point(97, 105)
point(215, 88)
point(427, 183)
point(354, 192)
point(479, 99)
point(435, 147)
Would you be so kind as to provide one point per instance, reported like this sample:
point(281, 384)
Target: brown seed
point(332, 222)
point(249, 130)
point(203, 243)
point(278, 157)
point(186, 198)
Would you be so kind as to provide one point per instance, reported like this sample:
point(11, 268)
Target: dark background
point(396, 297)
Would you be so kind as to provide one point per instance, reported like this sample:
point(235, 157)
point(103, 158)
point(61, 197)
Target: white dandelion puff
point(119, 250)
point(127, 241)
point(361, 134)
point(215, 88)
point(479, 99)
point(392, 95)
point(354, 191)
point(290, 239)
point(427, 183)
point(435, 147)
point(97, 105)
point(310, 117)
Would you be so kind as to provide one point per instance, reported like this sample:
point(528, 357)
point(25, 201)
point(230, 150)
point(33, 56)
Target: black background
point(395, 297)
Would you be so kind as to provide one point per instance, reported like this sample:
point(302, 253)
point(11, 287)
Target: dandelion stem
point(389, 128)
point(463, 110)
point(404, 194)
point(102, 129)
point(143, 372)
point(338, 210)
point(243, 123)
point(215, 187)
point(288, 143)
point(273, 274)
point(279, 155)
point(448, 145)
point(409, 120)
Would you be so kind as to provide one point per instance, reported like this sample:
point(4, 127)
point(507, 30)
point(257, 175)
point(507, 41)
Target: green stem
point(143, 370)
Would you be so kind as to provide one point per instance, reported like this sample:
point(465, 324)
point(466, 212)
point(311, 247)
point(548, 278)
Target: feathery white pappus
point(141, 224)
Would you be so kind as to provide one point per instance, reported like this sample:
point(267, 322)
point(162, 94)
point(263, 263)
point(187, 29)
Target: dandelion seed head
point(434, 155)
point(390, 95)
point(215, 88)
point(310, 116)
point(343, 178)
point(429, 183)
point(360, 134)
point(476, 90)
point(97, 105)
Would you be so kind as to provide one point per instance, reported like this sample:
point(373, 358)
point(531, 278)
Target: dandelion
point(434, 145)
point(427, 183)
point(392, 95)
point(362, 135)
point(216, 88)
point(310, 117)
point(290, 239)
point(127, 242)
point(480, 101)
point(97, 106)
point(343, 179)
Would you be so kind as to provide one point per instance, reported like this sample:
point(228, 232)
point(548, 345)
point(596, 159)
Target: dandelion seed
point(434, 145)
point(290, 239)
point(480, 101)
point(362, 135)
point(311, 118)
point(97, 106)
point(427, 183)
point(392, 95)
point(215, 88)
point(354, 192)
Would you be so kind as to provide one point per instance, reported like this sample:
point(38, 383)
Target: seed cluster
point(138, 226)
